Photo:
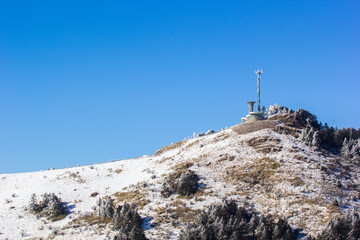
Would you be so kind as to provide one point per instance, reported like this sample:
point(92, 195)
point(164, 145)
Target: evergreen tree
point(109, 208)
point(45, 200)
point(228, 221)
point(344, 227)
point(56, 207)
point(183, 183)
point(50, 206)
point(137, 233)
point(33, 205)
point(99, 204)
point(128, 222)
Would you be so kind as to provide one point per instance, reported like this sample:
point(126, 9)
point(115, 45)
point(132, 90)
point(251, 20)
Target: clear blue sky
point(91, 81)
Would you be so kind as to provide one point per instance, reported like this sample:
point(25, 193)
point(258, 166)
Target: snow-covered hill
point(263, 165)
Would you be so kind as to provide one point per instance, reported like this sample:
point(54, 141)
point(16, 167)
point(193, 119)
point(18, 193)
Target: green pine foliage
point(228, 221)
point(344, 227)
point(183, 183)
point(128, 223)
point(49, 206)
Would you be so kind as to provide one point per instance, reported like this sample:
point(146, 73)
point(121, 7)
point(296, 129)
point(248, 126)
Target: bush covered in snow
point(299, 118)
point(333, 138)
point(350, 150)
point(343, 141)
point(106, 208)
point(310, 135)
point(183, 183)
point(276, 109)
point(304, 118)
point(128, 222)
point(49, 206)
point(125, 219)
point(345, 227)
point(229, 221)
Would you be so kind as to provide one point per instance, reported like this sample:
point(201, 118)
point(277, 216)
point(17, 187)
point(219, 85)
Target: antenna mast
point(258, 73)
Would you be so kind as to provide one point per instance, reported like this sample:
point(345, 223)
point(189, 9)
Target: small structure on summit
point(259, 115)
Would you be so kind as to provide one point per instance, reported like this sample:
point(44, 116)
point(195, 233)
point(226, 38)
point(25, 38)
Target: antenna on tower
point(258, 72)
point(259, 115)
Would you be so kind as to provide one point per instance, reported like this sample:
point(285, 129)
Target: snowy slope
point(271, 172)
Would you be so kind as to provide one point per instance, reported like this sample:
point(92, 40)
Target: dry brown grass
point(71, 175)
point(287, 130)
point(200, 158)
point(198, 196)
point(254, 126)
point(313, 208)
point(265, 144)
point(170, 147)
point(161, 161)
point(221, 137)
point(136, 196)
point(183, 166)
point(225, 157)
point(261, 171)
point(192, 144)
point(90, 220)
point(57, 218)
point(296, 181)
point(119, 170)
point(176, 213)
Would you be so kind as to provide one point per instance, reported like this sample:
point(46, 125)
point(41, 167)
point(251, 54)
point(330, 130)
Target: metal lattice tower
point(258, 73)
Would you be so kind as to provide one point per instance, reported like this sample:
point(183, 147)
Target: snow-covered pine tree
point(109, 208)
point(50, 206)
point(117, 218)
point(345, 149)
point(350, 150)
point(99, 204)
point(228, 222)
point(56, 207)
point(206, 232)
point(44, 203)
point(187, 183)
point(33, 204)
point(282, 231)
point(355, 226)
point(128, 222)
point(309, 135)
point(276, 109)
point(122, 235)
point(167, 189)
point(345, 227)
point(102, 211)
point(137, 233)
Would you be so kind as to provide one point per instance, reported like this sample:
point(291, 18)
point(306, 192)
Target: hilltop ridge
point(273, 167)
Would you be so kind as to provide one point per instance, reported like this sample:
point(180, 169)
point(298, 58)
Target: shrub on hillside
point(125, 219)
point(276, 109)
point(183, 183)
point(228, 221)
point(343, 141)
point(106, 208)
point(345, 227)
point(300, 118)
point(304, 118)
point(350, 150)
point(49, 206)
point(128, 222)
point(310, 135)
point(333, 138)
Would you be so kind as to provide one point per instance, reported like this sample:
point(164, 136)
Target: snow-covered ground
point(273, 173)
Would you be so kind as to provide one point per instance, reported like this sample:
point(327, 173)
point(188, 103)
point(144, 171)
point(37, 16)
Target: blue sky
point(91, 81)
